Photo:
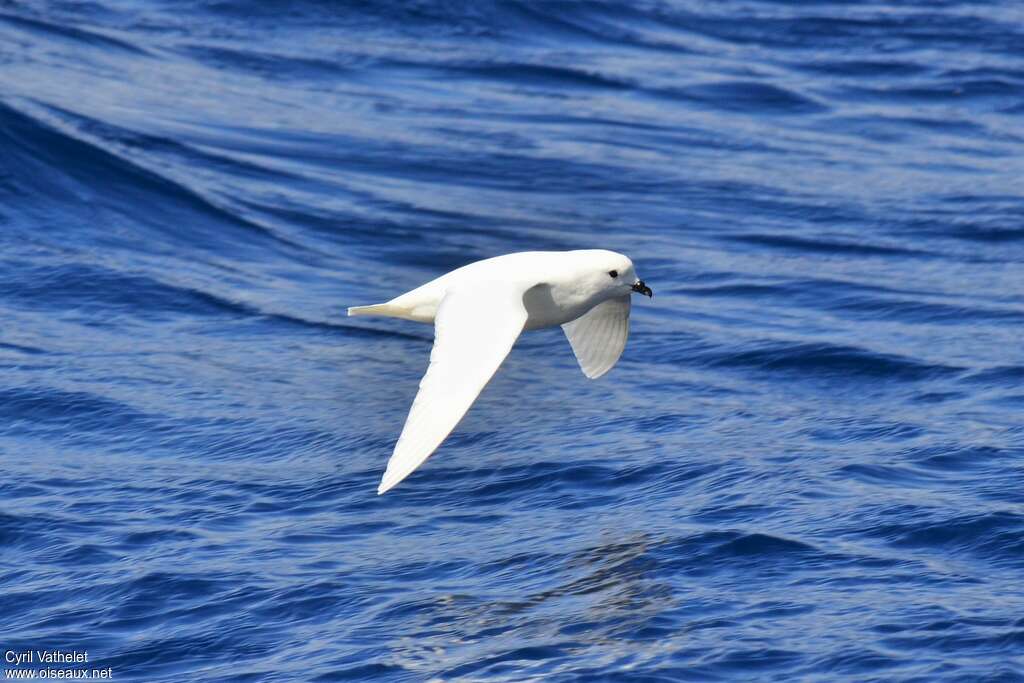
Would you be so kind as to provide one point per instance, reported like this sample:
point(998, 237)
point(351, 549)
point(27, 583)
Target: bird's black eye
point(613, 273)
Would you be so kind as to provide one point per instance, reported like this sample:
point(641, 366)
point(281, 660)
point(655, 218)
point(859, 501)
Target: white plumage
point(479, 311)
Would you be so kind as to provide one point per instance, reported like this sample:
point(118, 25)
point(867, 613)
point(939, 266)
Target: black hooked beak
point(639, 286)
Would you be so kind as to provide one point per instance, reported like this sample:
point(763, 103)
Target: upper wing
point(473, 332)
point(598, 336)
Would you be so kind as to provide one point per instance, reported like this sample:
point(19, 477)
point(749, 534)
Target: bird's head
point(613, 274)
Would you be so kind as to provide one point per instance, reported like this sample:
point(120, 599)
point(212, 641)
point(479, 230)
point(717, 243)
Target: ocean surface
point(807, 466)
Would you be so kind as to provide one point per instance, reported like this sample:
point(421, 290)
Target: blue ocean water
point(808, 465)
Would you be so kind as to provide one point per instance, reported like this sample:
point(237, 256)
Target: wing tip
point(386, 485)
point(596, 374)
point(391, 479)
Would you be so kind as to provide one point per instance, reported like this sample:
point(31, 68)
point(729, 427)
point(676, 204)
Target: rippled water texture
point(809, 464)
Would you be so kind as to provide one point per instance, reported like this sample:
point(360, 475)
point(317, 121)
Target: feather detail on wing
point(598, 336)
point(474, 330)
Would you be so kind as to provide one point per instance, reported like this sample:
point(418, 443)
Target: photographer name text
point(45, 657)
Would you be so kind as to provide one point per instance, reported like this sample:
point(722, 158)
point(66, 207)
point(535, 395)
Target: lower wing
point(474, 330)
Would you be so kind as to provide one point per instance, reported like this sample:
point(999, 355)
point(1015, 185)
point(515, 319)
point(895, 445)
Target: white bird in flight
point(478, 312)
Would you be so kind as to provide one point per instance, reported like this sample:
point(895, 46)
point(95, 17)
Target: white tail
point(375, 309)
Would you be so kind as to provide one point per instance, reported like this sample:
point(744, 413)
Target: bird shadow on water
point(609, 590)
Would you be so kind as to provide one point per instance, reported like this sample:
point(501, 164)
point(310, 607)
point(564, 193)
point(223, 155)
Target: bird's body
point(566, 301)
point(478, 312)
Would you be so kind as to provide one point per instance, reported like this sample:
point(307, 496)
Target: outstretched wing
point(473, 332)
point(598, 336)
